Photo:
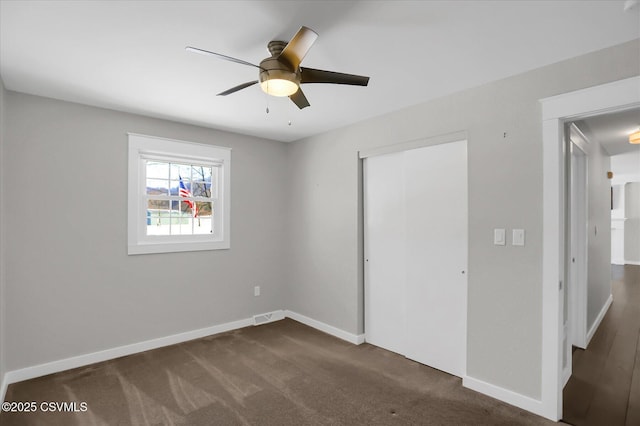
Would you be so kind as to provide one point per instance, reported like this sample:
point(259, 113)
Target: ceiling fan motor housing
point(272, 68)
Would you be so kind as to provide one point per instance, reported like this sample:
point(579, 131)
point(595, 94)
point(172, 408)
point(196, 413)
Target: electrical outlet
point(256, 290)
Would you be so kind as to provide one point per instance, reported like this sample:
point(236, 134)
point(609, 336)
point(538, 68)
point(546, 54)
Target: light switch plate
point(499, 238)
point(518, 237)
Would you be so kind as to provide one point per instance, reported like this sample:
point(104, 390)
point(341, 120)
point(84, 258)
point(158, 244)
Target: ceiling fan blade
point(238, 87)
point(299, 99)
point(298, 46)
point(310, 75)
point(225, 57)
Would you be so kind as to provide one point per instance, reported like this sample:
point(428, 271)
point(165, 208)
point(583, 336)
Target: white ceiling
point(129, 55)
point(613, 130)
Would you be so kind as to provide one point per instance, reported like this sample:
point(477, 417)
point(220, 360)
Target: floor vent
point(268, 317)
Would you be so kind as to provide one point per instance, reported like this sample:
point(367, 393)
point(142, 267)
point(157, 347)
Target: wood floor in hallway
point(605, 386)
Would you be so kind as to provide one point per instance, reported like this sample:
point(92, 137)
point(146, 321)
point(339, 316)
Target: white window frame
point(143, 148)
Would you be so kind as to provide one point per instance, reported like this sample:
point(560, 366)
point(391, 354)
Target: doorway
point(556, 111)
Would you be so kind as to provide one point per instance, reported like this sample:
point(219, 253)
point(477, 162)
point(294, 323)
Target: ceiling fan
point(281, 73)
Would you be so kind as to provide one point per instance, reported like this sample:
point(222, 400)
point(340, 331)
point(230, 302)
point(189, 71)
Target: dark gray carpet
point(283, 373)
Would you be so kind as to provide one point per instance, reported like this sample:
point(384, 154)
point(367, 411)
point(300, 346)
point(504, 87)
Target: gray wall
point(505, 190)
point(296, 224)
point(632, 224)
point(2, 292)
point(71, 287)
point(599, 243)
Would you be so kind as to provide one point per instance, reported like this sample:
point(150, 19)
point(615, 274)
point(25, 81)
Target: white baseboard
point(91, 358)
point(516, 399)
point(3, 389)
point(356, 339)
point(268, 317)
point(617, 261)
point(632, 262)
point(598, 320)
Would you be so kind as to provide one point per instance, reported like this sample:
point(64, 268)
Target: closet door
point(385, 258)
point(416, 254)
point(436, 255)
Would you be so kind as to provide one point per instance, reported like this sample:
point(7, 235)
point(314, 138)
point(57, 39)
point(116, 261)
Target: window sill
point(151, 248)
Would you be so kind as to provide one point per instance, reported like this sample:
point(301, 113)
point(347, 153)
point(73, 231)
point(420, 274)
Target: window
point(178, 196)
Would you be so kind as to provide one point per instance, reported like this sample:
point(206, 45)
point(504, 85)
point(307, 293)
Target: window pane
point(157, 219)
point(162, 205)
point(203, 223)
point(186, 208)
point(157, 170)
point(175, 188)
point(180, 171)
point(201, 173)
point(186, 225)
point(203, 208)
point(157, 187)
point(175, 224)
point(175, 205)
point(201, 189)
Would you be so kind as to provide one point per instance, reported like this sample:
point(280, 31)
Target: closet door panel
point(385, 267)
point(436, 256)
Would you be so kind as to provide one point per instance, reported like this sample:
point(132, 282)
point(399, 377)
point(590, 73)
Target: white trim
point(599, 319)
point(356, 339)
point(579, 149)
point(614, 96)
point(566, 374)
point(632, 262)
point(268, 317)
point(552, 259)
point(3, 310)
point(141, 147)
point(107, 354)
point(179, 141)
point(516, 399)
point(579, 139)
point(413, 144)
point(619, 262)
point(618, 95)
point(3, 389)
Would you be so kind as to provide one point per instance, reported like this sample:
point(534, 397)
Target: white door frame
point(557, 110)
point(577, 259)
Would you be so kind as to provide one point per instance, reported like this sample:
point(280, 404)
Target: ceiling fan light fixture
point(634, 138)
point(279, 87)
point(281, 73)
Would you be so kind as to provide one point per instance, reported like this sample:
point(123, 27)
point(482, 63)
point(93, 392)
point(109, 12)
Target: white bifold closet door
point(416, 238)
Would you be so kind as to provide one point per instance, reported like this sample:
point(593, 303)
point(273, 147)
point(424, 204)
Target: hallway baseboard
point(598, 320)
point(505, 395)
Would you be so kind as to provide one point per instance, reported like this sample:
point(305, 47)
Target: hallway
point(605, 386)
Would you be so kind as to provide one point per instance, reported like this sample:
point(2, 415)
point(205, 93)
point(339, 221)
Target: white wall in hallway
point(632, 223)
